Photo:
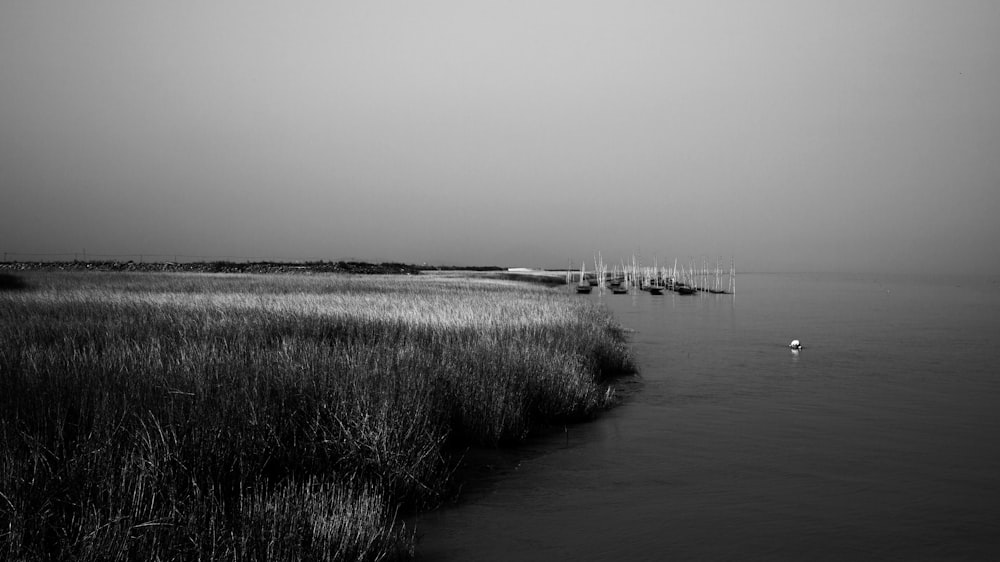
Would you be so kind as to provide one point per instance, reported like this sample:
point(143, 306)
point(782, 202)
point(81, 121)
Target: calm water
point(880, 440)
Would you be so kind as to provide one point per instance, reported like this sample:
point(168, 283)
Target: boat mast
point(732, 275)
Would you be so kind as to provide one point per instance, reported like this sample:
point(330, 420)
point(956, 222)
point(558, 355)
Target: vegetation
point(220, 266)
point(250, 417)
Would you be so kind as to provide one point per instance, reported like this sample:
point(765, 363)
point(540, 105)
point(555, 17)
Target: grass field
point(278, 417)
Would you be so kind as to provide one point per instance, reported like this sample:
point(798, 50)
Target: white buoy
point(795, 344)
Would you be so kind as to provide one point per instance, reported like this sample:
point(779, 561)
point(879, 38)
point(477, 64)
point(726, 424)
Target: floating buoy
point(795, 344)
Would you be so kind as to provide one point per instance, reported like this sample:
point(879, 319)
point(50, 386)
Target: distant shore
point(358, 267)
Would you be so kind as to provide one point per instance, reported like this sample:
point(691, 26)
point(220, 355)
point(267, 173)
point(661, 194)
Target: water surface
point(879, 440)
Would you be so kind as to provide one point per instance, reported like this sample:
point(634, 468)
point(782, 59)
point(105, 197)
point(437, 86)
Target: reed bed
point(254, 417)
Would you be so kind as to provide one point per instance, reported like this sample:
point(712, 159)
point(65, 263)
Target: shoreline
point(380, 435)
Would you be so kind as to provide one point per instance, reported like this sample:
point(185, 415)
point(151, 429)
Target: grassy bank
point(184, 416)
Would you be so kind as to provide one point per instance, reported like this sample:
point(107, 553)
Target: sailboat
point(583, 286)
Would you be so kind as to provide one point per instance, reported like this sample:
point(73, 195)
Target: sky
point(798, 135)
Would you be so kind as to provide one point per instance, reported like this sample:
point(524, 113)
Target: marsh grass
point(192, 416)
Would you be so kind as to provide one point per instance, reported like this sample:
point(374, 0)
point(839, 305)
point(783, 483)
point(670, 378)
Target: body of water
point(879, 440)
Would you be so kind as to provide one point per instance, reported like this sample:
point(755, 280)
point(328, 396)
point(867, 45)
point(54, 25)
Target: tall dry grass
point(148, 416)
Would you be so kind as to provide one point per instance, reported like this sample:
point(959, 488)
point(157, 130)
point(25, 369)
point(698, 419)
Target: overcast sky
point(793, 135)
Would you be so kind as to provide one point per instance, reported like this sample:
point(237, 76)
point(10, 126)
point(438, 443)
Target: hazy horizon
point(790, 135)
